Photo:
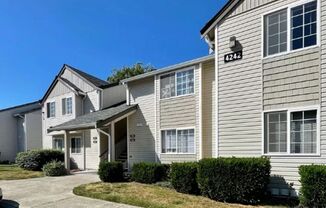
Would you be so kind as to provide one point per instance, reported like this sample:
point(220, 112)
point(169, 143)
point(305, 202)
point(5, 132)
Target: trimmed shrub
point(313, 185)
point(183, 177)
point(149, 172)
point(111, 171)
point(54, 168)
point(36, 159)
point(240, 180)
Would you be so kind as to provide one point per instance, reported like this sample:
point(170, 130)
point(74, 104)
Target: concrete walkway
point(50, 192)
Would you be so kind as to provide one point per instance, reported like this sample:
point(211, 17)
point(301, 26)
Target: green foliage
point(54, 168)
point(111, 171)
point(183, 177)
point(240, 180)
point(313, 185)
point(127, 72)
point(149, 172)
point(36, 159)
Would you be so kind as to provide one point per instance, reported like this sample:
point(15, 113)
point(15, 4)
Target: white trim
point(127, 94)
point(155, 119)
point(200, 131)
point(288, 50)
point(175, 82)
point(216, 92)
point(176, 136)
point(288, 111)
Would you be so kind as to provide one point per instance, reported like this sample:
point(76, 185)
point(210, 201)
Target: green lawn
point(148, 196)
point(12, 172)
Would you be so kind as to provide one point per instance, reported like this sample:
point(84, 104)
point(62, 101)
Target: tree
point(129, 71)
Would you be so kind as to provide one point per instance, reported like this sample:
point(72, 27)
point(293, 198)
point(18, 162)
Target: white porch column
point(67, 150)
point(112, 144)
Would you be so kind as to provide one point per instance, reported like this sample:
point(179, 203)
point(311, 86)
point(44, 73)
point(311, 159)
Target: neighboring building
point(76, 95)
point(20, 130)
point(260, 94)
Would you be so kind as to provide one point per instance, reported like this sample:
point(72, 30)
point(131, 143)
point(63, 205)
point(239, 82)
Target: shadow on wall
point(8, 204)
point(88, 106)
point(73, 164)
point(280, 187)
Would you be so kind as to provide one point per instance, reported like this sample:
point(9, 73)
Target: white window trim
point(289, 7)
point(175, 82)
point(72, 101)
point(288, 111)
point(176, 136)
point(81, 145)
point(55, 109)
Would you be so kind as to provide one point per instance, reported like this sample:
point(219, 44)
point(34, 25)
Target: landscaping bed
point(13, 172)
point(145, 195)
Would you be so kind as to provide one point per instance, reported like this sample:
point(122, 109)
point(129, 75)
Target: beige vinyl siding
point(247, 5)
point(92, 153)
point(208, 109)
point(178, 112)
point(77, 80)
point(249, 85)
point(292, 80)
point(239, 88)
point(59, 89)
point(142, 122)
point(33, 126)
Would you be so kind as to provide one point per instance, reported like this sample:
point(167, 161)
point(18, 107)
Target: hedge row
point(313, 185)
point(145, 172)
point(111, 171)
point(36, 159)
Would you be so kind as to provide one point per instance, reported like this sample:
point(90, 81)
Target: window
point(176, 84)
point(58, 144)
point(50, 109)
point(276, 32)
point(178, 141)
point(66, 106)
point(168, 85)
point(304, 25)
point(76, 145)
point(275, 134)
point(185, 82)
point(295, 26)
point(291, 132)
point(304, 131)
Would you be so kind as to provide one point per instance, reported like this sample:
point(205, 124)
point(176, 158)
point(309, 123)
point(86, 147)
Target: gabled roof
point(169, 68)
point(95, 119)
point(94, 80)
point(219, 16)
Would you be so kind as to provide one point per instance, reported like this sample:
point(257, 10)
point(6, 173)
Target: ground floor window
point(291, 132)
point(76, 145)
point(58, 143)
point(178, 141)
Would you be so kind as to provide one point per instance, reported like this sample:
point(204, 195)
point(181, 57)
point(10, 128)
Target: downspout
point(216, 92)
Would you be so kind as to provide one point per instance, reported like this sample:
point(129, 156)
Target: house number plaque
point(233, 56)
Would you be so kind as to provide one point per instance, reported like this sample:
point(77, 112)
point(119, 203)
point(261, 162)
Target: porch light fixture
point(233, 42)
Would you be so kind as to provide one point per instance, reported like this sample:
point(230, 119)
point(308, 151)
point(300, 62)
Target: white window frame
point(288, 50)
point(81, 145)
point(175, 82)
point(58, 138)
point(66, 106)
point(50, 102)
point(288, 142)
point(176, 137)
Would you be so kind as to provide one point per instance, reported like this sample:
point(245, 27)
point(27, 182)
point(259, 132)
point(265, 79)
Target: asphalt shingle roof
point(88, 121)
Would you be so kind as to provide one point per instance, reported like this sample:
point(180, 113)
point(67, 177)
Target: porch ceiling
point(95, 119)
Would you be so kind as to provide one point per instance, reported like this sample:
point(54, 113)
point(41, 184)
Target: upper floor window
point(50, 109)
point(291, 132)
point(66, 106)
point(290, 29)
point(177, 83)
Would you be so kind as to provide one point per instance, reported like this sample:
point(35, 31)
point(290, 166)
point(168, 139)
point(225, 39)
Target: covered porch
point(101, 135)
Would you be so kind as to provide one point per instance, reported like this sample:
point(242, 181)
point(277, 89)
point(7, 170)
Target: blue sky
point(37, 37)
